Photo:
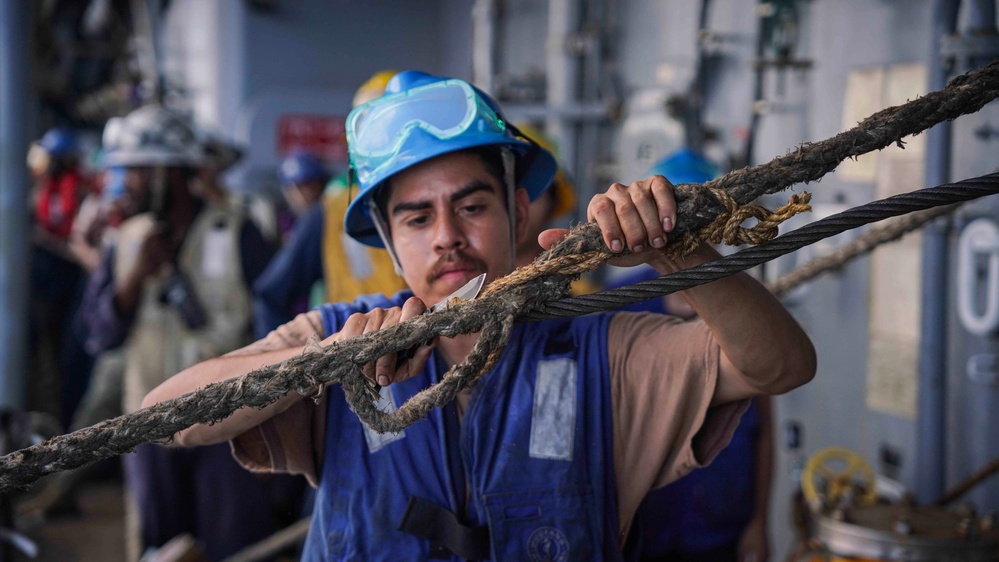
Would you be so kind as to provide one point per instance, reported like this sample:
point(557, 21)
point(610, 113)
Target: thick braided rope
point(727, 226)
point(485, 353)
point(755, 255)
point(571, 265)
point(965, 94)
point(810, 161)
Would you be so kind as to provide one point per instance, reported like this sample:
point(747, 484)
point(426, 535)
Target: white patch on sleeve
point(553, 420)
point(376, 441)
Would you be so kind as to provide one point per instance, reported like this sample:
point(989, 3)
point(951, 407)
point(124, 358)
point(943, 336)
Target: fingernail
point(638, 248)
point(615, 245)
point(383, 380)
point(658, 242)
point(667, 224)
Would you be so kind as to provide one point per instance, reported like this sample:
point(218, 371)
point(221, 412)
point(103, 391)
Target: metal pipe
point(145, 25)
point(592, 111)
point(15, 84)
point(931, 418)
point(484, 44)
point(563, 74)
point(758, 89)
point(697, 90)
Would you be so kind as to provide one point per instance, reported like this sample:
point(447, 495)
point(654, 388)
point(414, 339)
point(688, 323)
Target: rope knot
point(727, 226)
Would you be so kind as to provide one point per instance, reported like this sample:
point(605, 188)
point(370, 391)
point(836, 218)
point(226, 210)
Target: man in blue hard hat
point(549, 455)
point(282, 289)
point(303, 179)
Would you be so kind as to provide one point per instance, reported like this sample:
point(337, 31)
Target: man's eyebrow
point(410, 206)
point(476, 185)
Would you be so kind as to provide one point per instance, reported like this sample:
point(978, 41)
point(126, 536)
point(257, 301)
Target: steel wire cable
point(874, 211)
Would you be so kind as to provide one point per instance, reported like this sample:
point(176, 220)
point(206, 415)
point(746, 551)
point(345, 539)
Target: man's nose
point(449, 234)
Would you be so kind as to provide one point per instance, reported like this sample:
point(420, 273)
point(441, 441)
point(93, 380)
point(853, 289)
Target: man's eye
point(473, 208)
point(416, 221)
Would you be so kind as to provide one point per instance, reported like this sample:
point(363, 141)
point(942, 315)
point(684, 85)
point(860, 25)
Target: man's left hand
point(639, 217)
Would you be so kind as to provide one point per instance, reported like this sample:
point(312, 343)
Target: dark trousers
point(729, 553)
point(202, 491)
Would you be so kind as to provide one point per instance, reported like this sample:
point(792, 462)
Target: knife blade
point(467, 292)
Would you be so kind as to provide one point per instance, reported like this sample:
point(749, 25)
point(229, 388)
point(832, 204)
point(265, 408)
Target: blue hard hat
point(422, 116)
point(685, 166)
point(301, 167)
point(58, 142)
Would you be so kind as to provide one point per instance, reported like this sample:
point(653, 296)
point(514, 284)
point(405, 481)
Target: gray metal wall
point(243, 67)
point(839, 36)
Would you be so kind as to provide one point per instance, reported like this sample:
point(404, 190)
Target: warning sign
point(322, 135)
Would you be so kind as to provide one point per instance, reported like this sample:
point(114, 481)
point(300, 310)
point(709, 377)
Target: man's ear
point(521, 203)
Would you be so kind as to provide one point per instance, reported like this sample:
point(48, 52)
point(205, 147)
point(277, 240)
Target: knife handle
point(408, 354)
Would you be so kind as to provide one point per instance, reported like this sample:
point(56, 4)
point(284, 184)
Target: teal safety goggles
point(381, 130)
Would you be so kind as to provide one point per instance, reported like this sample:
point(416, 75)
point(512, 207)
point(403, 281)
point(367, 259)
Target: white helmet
point(152, 136)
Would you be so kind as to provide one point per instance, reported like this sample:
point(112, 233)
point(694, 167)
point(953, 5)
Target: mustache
point(455, 259)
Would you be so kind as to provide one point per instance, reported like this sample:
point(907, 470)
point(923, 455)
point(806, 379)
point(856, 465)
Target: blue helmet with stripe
point(420, 117)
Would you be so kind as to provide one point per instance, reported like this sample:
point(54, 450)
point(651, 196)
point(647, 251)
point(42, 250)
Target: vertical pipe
point(145, 22)
point(15, 84)
point(697, 91)
point(230, 72)
point(979, 404)
point(758, 91)
point(563, 75)
point(931, 417)
point(483, 44)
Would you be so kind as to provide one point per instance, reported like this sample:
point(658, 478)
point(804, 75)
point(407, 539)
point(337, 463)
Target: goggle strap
point(382, 227)
point(510, 179)
point(350, 184)
point(528, 159)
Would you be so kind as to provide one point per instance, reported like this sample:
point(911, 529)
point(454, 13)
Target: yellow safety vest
point(351, 268)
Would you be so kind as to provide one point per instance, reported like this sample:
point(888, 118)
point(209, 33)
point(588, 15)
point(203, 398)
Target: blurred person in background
point(93, 231)
point(321, 263)
point(555, 203)
point(54, 163)
point(303, 178)
point(550, 210)
point(92, 221)
point(283, 288)
point(173, 290)
point(62, 367)
point(717, 513)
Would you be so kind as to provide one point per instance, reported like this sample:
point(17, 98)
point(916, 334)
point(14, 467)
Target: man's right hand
point(384, 370)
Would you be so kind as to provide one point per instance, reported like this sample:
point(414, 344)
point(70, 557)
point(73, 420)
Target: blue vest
point(707, 509)
point(533, 451)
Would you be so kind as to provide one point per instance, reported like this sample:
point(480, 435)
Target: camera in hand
point(178, 293)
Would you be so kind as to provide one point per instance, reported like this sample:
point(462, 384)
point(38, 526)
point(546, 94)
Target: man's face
point(448, 223)
point(138, 192)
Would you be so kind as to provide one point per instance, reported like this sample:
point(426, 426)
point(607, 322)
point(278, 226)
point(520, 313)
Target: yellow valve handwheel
point(831, 472)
